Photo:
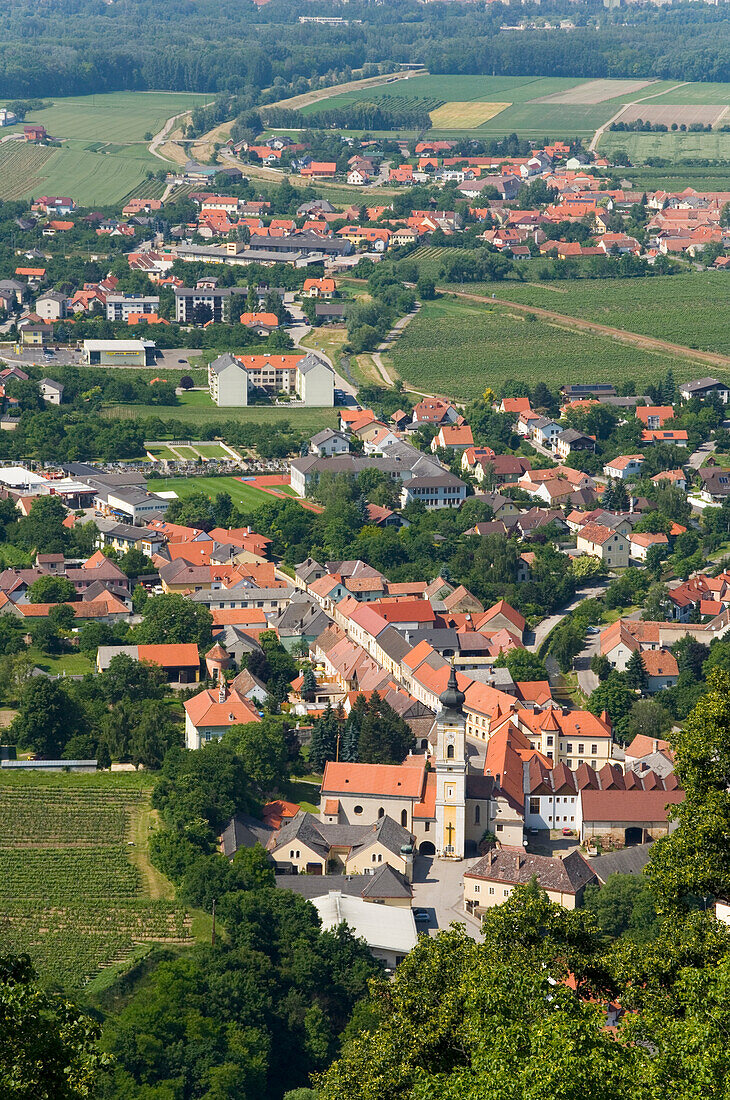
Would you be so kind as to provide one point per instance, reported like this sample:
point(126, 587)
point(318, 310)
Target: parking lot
point(438, 887)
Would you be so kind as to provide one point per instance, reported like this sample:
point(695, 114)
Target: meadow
point(242, 495)
point(197, 408)
point(77, 891)
point(457, 349)
point(688, 309)
point(674, 145)
point(104, 155)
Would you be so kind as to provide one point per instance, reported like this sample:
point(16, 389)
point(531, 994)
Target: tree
point(616, 698)
point(600, 666)
point(139, 598)
point(49, 1050)
point(384, 737)
point(624, 907)
point(62, 616)
point(522, 665)
point(135, 563)
point(50, 589)
point(173, 619)
point(127, 679)
point(324, 741)
point(650, 718)
point(262, 749)
point(635, 674)
point(46, 720)
point(42, 530)
point(309, 684)
point(657, 606)
point(586, 568)
point(200, 791)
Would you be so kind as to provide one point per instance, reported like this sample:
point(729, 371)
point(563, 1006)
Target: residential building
point(51, 306)
point(233, 379)
point(211, 713)
point(704, 388)
point(571, 440)
point(624, 467)
point(491, 881)
point(120, 306)
point(611, 547)
point(181, 663)
point(51, 391)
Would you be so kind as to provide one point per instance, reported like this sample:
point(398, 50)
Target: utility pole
point(212, 935)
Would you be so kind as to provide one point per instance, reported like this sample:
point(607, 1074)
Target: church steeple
point(451, 772)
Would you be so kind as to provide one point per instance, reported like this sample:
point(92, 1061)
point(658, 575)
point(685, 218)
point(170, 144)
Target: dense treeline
point(356, 116)
point(81, 47)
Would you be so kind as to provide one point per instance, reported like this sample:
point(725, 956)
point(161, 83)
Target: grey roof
point(629, 861)
point(225, 360)
point(244, 831)
point(309, 362)
point(392, 642)
point(54, 385)
point(307, 568)
point(321, 837)
point(325, 435)
point(690, 387)
point(303, 615)
point(231, 637)
point(568, 875)
point(385, 883)
point(572, 435)
point(52, 295)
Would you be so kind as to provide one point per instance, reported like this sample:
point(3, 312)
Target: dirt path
point(392, 336)
point(635, 339)
point(306, 98)
point(602, 129)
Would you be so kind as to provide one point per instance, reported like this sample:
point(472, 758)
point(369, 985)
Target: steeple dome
point(453, 698)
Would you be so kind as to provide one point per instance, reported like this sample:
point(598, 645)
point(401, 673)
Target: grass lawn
point(247, 496)
point(197, 408)
point(70, 664)
point(457, 349)
point(162, 452)
point(305, 792)
point(211, 450)
point(187, 452)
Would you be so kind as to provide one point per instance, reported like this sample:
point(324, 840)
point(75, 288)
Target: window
point(491, 889)
point(549, 741)
point(380, 858)
point(477, 814)
point(594, 763)
point(450, 752)
point(581, 749)
point(357, 809)
point(291, 854)
point(594, 749)
point(569, 747)
point(500, 827)
point(476, 889)
point(381, 813)
point(569, 763)
point(373, 857)
point(404, 818)
point(506, 893)
point(534, 805)
point(427, 827)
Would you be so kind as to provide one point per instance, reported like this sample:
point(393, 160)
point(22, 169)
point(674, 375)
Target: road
point(162, 135)
point(543, 629)
point(298, 332)
point(438, 886)
point(696, 459)
point(393, 335)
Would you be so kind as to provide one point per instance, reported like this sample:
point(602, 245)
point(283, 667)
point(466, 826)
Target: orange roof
point(32, 272)
point(275, 812)
point(660, 662)
point(664, 412)
point(426, 808)
point(205, 709)
point(374, 779)
point(178, 655)
point(260, 319)
point(244, 617)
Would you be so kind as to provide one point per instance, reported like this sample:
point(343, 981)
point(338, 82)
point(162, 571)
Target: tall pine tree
point(636, 676)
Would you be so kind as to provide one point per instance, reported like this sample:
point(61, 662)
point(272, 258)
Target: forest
point(81, 46)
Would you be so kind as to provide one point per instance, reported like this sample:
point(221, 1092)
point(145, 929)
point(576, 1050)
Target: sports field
point(77, 890)
point(243, 495)
point(104, 154)
point(457, 349)
point(688, 309)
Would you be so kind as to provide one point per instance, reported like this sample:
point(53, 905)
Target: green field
point(246, 496)
point(673, 145)
point(688, 309)
point(104, 155)
point(77, 891)
point(211, 450)
point(196, 407)
point(457, 349)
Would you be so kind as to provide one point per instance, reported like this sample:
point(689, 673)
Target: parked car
point(422, 916)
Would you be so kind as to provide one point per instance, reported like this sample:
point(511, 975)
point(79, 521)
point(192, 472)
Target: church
point(444, 803)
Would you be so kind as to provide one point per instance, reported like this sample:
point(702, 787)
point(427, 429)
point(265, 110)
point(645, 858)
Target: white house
point(611, 547)
point(51, 391)
point(211, 713)
point(624, 467)
point(329, 442)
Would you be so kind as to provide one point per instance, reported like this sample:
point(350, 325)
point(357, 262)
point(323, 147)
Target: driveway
point(696, 459)
point(438, 886)
point(297, 333)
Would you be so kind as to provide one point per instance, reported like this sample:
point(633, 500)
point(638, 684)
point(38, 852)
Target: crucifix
point(449, 834)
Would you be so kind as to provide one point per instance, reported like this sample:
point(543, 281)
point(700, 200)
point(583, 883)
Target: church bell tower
point(451, 772)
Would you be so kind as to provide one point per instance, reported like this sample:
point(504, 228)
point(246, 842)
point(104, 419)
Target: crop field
point(246, 496)
point(457, 349)
point(469, 115)
point(597, 91)
point(77, 891)
point(147, 189)
point(674, 145)
point(104, 155)
point(21, 167)
point(688, 309)
point(665, 114)
point(695, 93)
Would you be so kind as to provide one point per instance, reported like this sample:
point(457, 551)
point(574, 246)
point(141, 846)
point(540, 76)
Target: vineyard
point(457, 349)
point(75, 881)
point(19, 167)
point(147, 189)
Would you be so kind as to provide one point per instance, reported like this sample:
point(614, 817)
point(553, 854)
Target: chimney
point(221, 688)
point(654, 746)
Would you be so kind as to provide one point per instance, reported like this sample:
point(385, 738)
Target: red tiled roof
point(374, 779)
point(620, 806)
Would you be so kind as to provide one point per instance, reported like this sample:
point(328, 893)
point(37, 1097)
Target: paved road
point(543, 629)
point(297, 333)
point(696, 459)
point(438, 885)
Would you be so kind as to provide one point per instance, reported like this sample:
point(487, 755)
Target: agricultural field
point(104, 155)
point(673, 145)
point(688, 309)
point(557, 106)
point(21, 168)
point(242, 495)
point(664, 114)
point(457, 349)
point(77, 891)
